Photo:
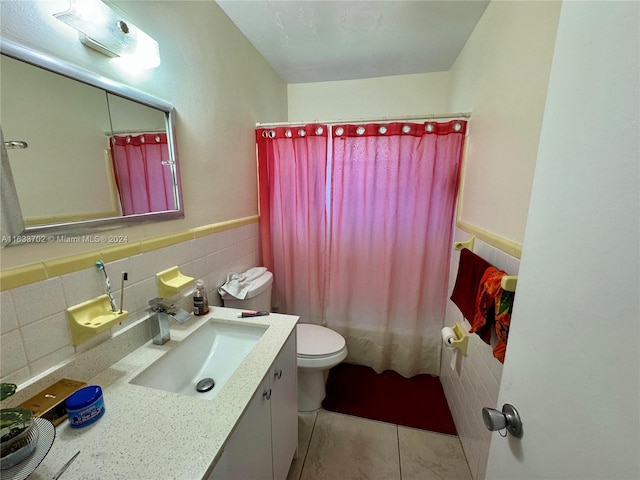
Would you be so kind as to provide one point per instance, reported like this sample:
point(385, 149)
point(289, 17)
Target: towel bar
point(509, 283)
point(468, 244)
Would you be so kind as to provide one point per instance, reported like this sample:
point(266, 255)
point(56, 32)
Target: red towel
point(465, 292)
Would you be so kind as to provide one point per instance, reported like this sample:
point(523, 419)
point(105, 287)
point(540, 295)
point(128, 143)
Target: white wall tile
point(184, 252)
point(93, 341)
point(132, 318)
point(38, 300)
point(513, 265)
point(8, 319)
point(145, 291)
point(142, 268)
point(46, 336)
point(115, 270)
point(163, 258)
point(476, 381)
point(14, 357)
point(214, 243)
point(83, 285)
point(129, 301)
point(200, 268)
point(34, 331)
point(199, 247)
point(147, 265)
point(18, 377)
point(48, 361)
point(485, 251)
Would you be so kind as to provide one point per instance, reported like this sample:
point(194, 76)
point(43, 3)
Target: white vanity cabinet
point(284, 408)
point(264, 442)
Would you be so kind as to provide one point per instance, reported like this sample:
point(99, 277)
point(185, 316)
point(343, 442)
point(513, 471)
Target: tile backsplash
point(34, 334)
point(473, 381)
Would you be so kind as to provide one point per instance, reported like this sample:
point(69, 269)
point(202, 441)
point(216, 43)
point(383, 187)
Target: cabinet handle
point(278, 374)
point(267, 394)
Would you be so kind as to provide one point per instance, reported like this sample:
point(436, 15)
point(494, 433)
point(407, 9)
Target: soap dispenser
point(200, 301)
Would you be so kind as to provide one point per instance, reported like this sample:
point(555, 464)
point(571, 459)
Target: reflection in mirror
point(98, 154)
point(63, 174)
point(140, 157)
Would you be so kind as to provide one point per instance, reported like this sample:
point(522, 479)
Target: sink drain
point(205, 385)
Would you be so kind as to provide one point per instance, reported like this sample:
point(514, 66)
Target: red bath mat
point(416, 402)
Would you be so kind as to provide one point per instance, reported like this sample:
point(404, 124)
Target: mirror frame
point(14, 231)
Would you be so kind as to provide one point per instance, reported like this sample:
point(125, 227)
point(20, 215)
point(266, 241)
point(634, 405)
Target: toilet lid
point(315, 340)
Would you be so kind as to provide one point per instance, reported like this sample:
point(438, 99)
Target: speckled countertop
point(151, 434)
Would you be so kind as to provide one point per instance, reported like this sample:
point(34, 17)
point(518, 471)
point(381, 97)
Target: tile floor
point(333, 446)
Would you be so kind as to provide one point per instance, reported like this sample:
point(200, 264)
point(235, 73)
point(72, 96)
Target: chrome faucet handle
point(160, 305)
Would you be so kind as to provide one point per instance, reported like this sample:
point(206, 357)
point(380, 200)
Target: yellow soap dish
point(171, 282)
point(91, 318)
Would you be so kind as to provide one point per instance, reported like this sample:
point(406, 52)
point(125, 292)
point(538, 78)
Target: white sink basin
point(213, 351)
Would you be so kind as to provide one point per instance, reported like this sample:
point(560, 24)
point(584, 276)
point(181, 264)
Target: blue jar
point(85, 406)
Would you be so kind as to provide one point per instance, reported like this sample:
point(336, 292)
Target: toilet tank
point(258, 297)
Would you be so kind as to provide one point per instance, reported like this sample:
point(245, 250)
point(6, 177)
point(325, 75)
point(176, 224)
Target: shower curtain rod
point(430, 116)
point(133, 132)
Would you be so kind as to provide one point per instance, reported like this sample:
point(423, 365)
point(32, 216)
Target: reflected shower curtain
point(393, 192)
point(143, 177)
point(292, 167)
point(369, 258)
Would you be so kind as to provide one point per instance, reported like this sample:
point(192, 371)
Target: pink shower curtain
point(375, 269)
point(393, 192)
point(144, 181)
point(292, 166)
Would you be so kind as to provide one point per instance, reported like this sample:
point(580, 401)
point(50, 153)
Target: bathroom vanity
point(247, 430)
point(263, 443)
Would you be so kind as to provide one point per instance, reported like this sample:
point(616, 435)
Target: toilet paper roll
point(448, 336)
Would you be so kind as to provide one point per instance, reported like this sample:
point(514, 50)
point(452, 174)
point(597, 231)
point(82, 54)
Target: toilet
point(319, 348)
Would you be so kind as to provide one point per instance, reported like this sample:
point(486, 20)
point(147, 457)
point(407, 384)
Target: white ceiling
point(320, 40)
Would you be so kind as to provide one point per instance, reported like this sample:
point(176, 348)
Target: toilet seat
point(318, 341)
point(319, 347)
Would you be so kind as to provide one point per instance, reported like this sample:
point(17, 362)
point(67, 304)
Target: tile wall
point(474, 380)
point(34, 335)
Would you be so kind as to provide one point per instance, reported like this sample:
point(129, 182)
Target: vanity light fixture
point(104, 30)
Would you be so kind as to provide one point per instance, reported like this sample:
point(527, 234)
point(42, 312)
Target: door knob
point(507, 418)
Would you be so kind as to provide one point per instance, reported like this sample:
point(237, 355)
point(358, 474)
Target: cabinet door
point(284, 408)
point(221, 472)
point(247, 455)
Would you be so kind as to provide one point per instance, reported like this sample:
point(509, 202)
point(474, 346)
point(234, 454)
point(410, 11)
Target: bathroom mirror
point(81, 153)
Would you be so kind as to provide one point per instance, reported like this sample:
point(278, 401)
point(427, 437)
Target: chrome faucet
point(159, 321)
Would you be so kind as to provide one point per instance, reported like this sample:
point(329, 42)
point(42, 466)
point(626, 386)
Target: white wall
point(400, 95)
point(572, 365)
point(501, 75)
point(220, 86)
point(66, 151)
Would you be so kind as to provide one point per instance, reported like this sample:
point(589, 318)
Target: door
point(572, 364)
point(247, 455)
point(284, 408)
